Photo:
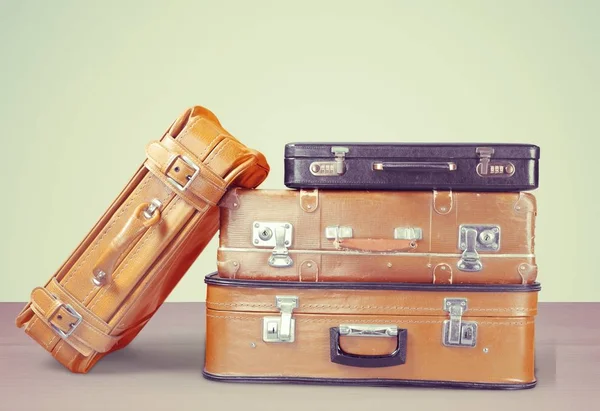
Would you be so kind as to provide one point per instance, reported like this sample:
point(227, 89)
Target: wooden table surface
point(161, 370)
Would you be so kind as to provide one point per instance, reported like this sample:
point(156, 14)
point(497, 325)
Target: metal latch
point(331, 168)
point(456, 332)
point(277, 235)
point(282, 328)
point(487, 167)
point(475, 238)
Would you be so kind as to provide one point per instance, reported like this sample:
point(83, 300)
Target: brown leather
point(143, 257)
point(373, 254)
point(504, 350)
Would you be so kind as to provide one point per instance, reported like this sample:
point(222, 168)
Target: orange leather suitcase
point(124, 269)
point(439, 237)
point(471, 336)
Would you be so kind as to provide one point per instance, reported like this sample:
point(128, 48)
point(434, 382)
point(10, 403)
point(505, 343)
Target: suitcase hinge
point(487, 167)
point(331, 168)
point(282, 328)
point(456, 332)
point(474, 238)
point(276, 235)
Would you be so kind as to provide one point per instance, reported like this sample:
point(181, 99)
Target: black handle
point(339, 356)
point(414, 166)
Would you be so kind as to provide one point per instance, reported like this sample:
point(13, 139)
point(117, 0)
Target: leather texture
point(130, 261)
point(503, 353)
point(373, 254)
point(458, 167)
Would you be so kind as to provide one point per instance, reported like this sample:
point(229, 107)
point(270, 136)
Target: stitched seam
point(132, 257)
point(106, 230)
point(327, 320)
point(214, 154)
point(58, 350)
point(48, 343)
point(367, 307)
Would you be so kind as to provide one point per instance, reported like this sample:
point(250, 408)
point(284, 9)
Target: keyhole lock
point(265, 234)
point(488, 237)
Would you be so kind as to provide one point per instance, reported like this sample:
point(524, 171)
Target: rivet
point(287, 243)
point(389, 265)
point(287, 226)
point(309, 206)
point(443, 208)
point(517, 207)
point(255, 241)
point(463, 303)
point(443, 267)
point(256, 225)
point(494, 246)
point(235, 204)
point(486, 350)
point(235, 263)
point(253, 345)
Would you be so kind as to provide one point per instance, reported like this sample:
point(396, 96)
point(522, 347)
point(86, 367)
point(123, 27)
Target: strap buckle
point(78, 320)
point(190, 179)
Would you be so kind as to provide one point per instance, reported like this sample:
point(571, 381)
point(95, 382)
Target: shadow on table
point(159, 356)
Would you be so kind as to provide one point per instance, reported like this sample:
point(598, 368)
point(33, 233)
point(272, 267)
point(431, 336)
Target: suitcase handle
point(339, 356)
point(414, 166)
point(375, 244)
point(143, 217)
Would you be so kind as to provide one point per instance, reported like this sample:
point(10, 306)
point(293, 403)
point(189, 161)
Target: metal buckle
point(74, 325)
point(189, 163)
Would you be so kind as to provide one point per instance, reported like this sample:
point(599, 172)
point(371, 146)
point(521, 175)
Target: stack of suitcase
point(380, 265)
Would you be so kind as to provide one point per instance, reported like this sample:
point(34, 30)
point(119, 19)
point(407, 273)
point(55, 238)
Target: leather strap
point(178, 168)
point(375, 244)
point(71, 321)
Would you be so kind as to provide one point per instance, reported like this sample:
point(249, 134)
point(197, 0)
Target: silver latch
point(281, 328)
point(336, 232)
point(277, 235)
point(456, 332)
point(408, 233)
point(487, 167)
point(475, 238)
point(331, 168)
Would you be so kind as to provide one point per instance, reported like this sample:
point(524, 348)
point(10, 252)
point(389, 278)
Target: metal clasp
point(277, 235)
point(282, 328)
point(456, 332)
point(408, 233)
point(331, 168)
point(486, 167)
point(475, 238)
point(335, 232)
point(189, 178)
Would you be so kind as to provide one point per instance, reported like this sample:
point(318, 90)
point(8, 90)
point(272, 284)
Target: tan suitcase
point(438, 237)
point(473, 336)
point(130, 261)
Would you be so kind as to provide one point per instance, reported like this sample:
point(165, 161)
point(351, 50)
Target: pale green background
point(85, 85)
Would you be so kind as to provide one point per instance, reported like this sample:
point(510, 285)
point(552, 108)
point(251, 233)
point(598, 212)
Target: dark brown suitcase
point(464, 167)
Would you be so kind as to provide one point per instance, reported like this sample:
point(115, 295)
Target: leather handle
point(143, 217)
point(436, 166)
point(339, 356)
point(375, 244)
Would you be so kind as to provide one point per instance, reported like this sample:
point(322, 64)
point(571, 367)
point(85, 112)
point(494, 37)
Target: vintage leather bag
point(439, 237)
point(124, 269)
